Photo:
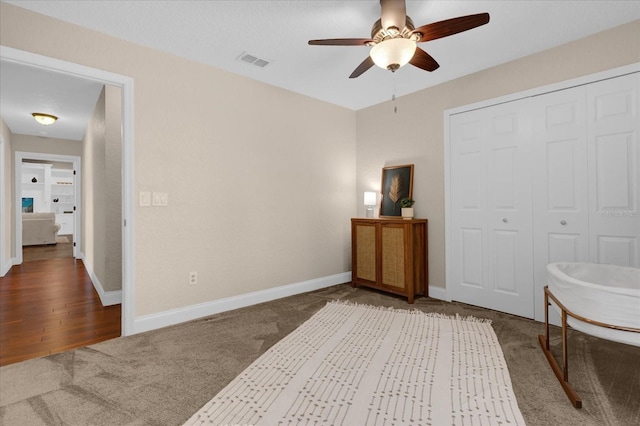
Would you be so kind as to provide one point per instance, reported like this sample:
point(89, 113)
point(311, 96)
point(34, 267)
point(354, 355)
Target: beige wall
point(7, 211)
point(113, 188)
point(415, 134)
point(93, 192)
point(101, 191)
point(27, 143)
point(261, 181)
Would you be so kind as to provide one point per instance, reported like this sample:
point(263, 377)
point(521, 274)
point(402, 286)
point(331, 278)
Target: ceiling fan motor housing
point(379, 34)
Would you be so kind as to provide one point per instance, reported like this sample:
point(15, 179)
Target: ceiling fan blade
point(422, 59)
point(450, 26)
point(365, 65)
point(341, 42)
point(393, 14)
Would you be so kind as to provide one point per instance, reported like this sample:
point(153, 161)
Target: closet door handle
point(505, 220)
point(563, 222)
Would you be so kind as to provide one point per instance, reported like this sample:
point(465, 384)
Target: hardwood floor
point(50, 306)
point(49, 251)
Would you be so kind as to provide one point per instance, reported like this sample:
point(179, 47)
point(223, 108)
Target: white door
point(63, 199)
point(491, 208)
point(560, 187)
point(563, 187)
point(614, 170)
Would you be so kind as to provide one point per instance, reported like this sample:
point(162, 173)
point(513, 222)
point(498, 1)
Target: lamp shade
point(370, 199)
point(393, 53)
point(44, 119)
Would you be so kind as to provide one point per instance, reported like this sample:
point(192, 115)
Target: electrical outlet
point(193, 278)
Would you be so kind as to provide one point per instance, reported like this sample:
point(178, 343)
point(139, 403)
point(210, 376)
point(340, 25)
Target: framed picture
point(27, 205)
point(397, 183)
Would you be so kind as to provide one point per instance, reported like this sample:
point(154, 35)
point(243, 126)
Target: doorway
point(56, 190)
point(127, 226)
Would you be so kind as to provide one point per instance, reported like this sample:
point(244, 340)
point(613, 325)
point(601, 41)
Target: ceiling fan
point(394, 38)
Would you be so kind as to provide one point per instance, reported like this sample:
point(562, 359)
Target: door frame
point(77, 228)
point(4, 268)
point(587, 79)
point(126, 84)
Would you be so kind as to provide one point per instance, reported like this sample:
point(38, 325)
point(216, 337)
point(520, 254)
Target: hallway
point(50, 306)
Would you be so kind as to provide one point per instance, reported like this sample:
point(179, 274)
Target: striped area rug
point(363, 365)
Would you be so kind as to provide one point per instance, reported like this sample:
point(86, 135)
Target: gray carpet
point(164, 376)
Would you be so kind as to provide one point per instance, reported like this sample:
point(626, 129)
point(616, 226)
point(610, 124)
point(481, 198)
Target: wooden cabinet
point(390, 255)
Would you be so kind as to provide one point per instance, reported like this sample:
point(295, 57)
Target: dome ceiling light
point(44, 119)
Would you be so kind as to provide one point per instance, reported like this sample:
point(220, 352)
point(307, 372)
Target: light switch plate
point(160, 199)
point(144, 198)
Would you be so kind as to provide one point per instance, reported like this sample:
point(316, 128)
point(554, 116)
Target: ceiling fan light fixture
point(44, 119)
point(393, 53)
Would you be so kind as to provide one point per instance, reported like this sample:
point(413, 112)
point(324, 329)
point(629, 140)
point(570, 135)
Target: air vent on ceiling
point(251, 59)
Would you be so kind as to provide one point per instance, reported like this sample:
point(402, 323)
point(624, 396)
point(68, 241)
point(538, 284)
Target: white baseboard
point(439, 293)
point(189, 313)
point(6, 267)
point(107, 298)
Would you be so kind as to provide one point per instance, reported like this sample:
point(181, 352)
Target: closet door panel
point(614, 175)
point(561, 179)
point(505, 249)
point(491, 209)
point(566, 247)
point(468, 197)
point(472, 265)
point(503, 178)
point(471, 190)
point(560, 190)
point(509, 220)
point(617, 250)
point(614, 172)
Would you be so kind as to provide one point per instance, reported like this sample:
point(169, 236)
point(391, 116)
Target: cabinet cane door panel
point(614, 163)
point(393, 257)
point(365, 252)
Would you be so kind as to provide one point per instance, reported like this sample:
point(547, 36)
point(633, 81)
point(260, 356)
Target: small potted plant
point(407, 207)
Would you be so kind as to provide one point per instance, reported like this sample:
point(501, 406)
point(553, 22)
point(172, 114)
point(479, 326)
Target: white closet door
point(491, 208)
point(468, 205)
point(614, 175)
point(560, 188)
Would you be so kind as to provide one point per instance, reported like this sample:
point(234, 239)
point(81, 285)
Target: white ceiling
point(24, 90)
point(218, 32)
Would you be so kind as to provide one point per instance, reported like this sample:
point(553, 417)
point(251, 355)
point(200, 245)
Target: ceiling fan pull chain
point(393, 97)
